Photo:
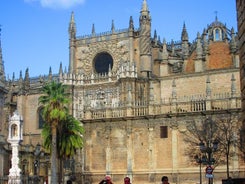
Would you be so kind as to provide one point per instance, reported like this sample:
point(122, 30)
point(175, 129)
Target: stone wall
point(241, 36)
point(134, 148)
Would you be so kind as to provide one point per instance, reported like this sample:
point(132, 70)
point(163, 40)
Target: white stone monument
point(14, 138)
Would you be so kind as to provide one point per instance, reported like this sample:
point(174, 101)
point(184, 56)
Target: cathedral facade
point(135, 95)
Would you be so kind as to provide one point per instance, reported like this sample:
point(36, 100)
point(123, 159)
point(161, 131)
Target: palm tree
point(54, 101)
point(69, 139)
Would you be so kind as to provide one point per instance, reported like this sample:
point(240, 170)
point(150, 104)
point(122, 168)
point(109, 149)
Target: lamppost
point(199, 161)
point(36, 163)
point(207, 158)
point(37, 153)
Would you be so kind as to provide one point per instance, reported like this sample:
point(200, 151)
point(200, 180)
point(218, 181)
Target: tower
point(145, 41)
point(72, 46)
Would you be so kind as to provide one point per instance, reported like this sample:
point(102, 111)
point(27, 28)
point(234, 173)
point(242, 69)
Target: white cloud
point(56, 4)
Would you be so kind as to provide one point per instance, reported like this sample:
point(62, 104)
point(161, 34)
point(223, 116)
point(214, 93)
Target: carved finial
point(131, 23)
point(72, 26)
point(184, 34)
point(27, 74)
point(21, 75)
point(216, 15)
point(112, 26)
point(50, 70)
point(60, 70)
point(144, 6)
point(93, 30)
point(155, 37)
point(50, 73)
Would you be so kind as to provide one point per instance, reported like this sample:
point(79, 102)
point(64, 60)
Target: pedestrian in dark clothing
point(165, 180)
point(69, 182)
point(106, 180)
point(127, 180)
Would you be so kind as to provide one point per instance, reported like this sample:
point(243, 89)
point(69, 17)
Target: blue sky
point(35, 32)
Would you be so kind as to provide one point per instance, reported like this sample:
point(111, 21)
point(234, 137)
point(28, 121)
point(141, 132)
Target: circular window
point(102, 62)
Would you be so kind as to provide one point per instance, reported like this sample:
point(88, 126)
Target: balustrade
point(165, 108)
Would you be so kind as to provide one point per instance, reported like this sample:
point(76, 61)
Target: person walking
point(127, 180)
point(165, 180)
point(106, 180)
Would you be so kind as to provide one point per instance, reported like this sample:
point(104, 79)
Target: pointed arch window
point(40, 118)
point(217, 35)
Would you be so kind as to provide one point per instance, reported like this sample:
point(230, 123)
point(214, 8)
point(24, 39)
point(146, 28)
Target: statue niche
point(14, 131)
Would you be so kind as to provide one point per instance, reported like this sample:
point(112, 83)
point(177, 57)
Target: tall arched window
point(40, 118)
point(217, 35)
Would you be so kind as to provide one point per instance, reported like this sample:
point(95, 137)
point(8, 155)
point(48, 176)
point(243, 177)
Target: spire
point(112, 26)
point(60, 70)
point(145, 41)
point(199, 55)
point(144, 7)
point(233, 41)
point(20, 83)
point(155, 37)
point(13, 77)
point(27, 80)
point(2, 75)
point(72, 21)
point(93, 30)
point(131, 24)
point(72, 26)
point(184, 35)
point(216, 16)
point(144, 14)
point(205, 42)
point(50, 74)
point(20, 78)
point(72, 43)
point(164, 51)
point(185, 45)
point(199, 47)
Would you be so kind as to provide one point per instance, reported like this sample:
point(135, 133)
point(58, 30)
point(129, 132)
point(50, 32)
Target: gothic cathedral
point(136, 96)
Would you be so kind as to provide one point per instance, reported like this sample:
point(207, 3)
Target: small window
point(163, 132)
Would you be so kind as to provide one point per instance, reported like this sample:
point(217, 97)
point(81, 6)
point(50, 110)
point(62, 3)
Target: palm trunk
point(54, 156)
point(61, 177)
